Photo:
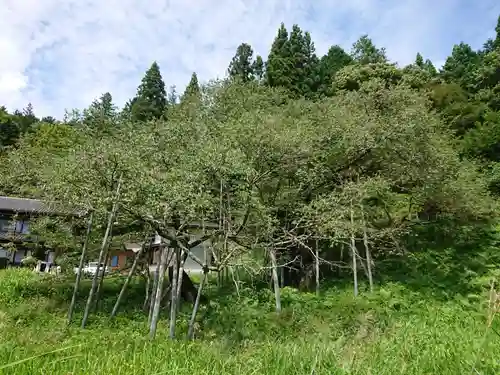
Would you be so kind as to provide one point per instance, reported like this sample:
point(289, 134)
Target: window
point(114, 261)
point(22, 226)
point(6, 225)
point(26, 227)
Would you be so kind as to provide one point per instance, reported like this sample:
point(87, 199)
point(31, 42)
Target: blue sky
point(61, 54)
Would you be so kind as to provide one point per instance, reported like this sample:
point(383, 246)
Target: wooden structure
point(15, 217)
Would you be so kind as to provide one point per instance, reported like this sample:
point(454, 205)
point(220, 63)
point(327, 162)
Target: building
point(123, 258)
point(17, 213)
point(15, 217)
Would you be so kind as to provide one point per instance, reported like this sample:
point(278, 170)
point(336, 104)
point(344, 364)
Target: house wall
point(13, 230)
point(190, 265)
point(118, 259)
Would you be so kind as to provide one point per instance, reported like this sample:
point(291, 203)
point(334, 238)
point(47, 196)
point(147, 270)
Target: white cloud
point(61, 54)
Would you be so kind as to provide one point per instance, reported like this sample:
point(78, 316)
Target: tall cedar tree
point(419, 60)
point(151, 99)
point(241, 66)
point(310, 79)
point(258, 68)
point(293, 63)
point(192, 89)
point(278, 68)
point(496, 41)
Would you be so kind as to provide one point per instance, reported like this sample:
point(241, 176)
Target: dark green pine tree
point(364, 51)
point(335, 59)
point(429, 66)
point(310, 79)
point(496, 41)
point(419, 61)
point(102, 114)
point(278, 66)
point(297, 60)
point(192, 90)
point(151, 99)
point(258, 68)
point(241, 65)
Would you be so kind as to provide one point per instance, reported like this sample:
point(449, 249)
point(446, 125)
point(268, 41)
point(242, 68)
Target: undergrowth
point(398, 329)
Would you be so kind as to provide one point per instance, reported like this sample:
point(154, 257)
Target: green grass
point(397, 330)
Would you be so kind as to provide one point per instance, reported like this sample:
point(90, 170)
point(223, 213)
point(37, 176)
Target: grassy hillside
point(397, 330)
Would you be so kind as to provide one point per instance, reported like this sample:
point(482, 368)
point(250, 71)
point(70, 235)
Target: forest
point(340, 193)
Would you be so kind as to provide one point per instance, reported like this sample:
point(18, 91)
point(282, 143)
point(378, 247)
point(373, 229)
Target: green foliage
point(9, 129)
point(329, 64)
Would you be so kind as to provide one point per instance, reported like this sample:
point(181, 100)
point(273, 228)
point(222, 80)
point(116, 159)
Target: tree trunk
point(274, 270)
point(159, 288)
point(190, 334)
point(180, 276)
point(317, 268)
point(101, 253)
point(353, 254)
point(98, 293)
point(173, 301)
point(283, 260)
point(153, 291)
point(127, 281)
point(148, 284)
point(80, 268)
point(368, 255)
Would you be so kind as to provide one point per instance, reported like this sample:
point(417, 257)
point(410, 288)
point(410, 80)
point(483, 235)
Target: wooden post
point(157, 301)
point(101, 253)
point(368, 253)
point(146, 288)
point(354, 254)
point(277, 292)
point(317, 268)
point(173, 304)
point(80, 267)
point(190, 333)
point(180, 276)
point(153, 289)
point(98, 293)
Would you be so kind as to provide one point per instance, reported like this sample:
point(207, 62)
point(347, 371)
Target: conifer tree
point(241, 65)
point(151, 99)
point(192, 89)
point(258, 68)
point(278, 67)
point(419, 60)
